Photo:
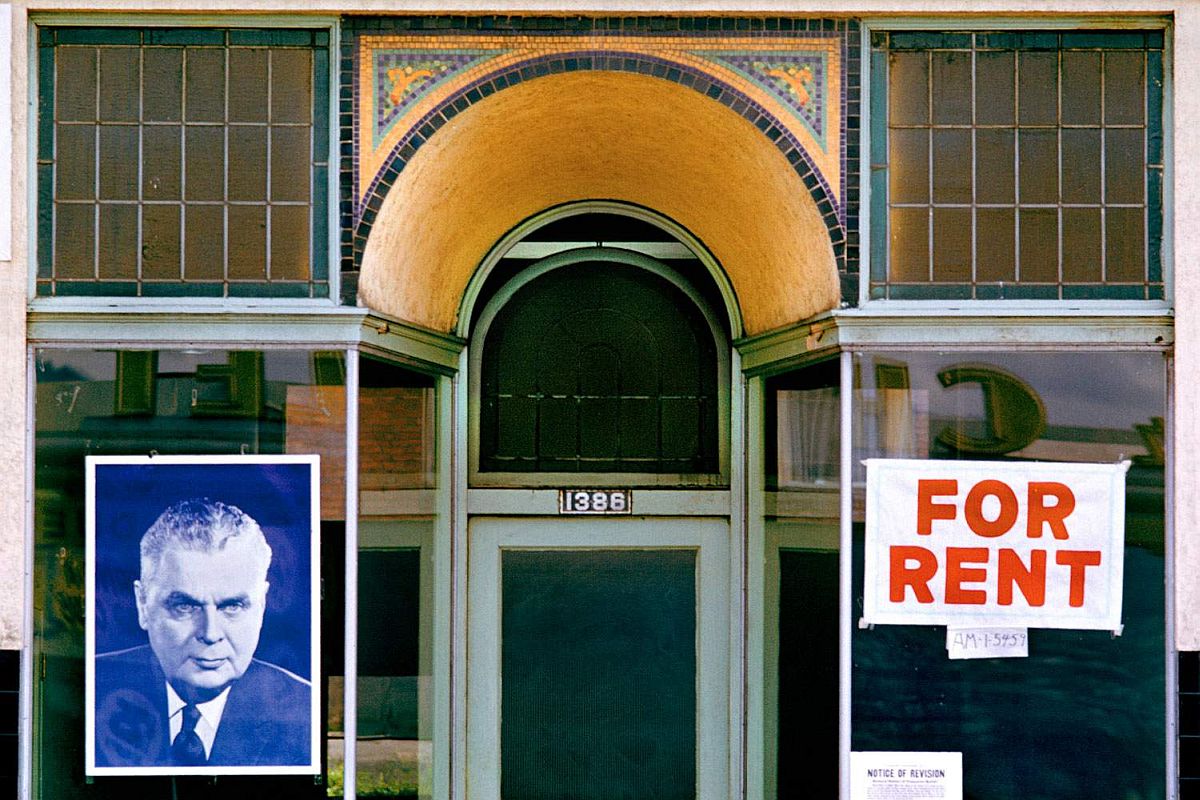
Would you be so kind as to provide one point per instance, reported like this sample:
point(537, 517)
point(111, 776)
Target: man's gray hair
point(201, 525)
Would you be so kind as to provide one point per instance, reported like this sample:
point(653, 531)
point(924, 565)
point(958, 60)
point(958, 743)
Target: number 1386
point(594, 501)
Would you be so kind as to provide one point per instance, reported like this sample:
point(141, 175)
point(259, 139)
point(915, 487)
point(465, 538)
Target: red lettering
point(1031, 580)
point(927, 510)
point(957, 574)
point(1041, 514)
point(1078, 561)
point(973, 509)
point(917, 577)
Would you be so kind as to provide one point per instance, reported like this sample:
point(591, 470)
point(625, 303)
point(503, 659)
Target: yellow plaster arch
point(599, 135)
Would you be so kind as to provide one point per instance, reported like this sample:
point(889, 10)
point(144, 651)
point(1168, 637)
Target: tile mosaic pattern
point(401, 79)
point(795, 79)
point(798, 80)
point(785, 82)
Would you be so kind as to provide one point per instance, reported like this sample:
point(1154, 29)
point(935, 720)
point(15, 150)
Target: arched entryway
point(566, 229)
point(584, 136)
point(598, 630)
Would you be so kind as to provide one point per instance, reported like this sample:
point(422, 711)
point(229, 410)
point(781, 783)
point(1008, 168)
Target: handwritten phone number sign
point(964, 643)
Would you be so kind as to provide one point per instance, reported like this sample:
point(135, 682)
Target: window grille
point(182, 162)
point(599, 367)
point(1017, 165)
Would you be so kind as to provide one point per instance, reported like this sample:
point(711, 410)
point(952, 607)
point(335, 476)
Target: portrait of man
point(196, 695)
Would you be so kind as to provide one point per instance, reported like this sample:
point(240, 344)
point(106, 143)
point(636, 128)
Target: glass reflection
point(167, 402)
point(800, 579)
point(1082, 716)
point(396, 543)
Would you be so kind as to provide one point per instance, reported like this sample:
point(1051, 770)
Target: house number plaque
point(595, 501)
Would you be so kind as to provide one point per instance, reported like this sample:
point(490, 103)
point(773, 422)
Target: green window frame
point(131, 200)
point(1004, 165)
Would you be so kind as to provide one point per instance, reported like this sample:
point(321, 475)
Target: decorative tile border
point(794, 79)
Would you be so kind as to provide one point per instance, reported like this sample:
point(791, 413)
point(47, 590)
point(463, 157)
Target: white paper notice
point(987, 642)
point(905, 776)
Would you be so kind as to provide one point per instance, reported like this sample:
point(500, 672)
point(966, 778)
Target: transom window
point(1017, 165)
point(182, 162)
point(599, 367)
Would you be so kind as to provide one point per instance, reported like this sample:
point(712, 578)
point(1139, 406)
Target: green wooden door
point(598, 658)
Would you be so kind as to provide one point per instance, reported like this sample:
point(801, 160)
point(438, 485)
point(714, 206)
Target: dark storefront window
point(1017, 165)
point(800, 572)
point(245, 402)
point(1083, 715)
point(182, 162)
point(181, 402)
point(396, 595)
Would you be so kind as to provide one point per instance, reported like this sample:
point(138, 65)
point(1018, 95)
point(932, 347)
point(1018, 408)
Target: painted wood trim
point(501, 250)
point(309, 326)
point(444, 651)
point(975, 329)
point(457, 578)
point(646, 503)
point(738, 602)
point(757, 767)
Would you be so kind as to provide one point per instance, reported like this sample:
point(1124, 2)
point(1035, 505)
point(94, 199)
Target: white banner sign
point(905, 776)
point(994, 544)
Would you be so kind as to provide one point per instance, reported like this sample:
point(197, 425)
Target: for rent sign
point(1035, 545)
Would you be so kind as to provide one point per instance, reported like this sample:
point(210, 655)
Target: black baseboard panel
point(10, 684)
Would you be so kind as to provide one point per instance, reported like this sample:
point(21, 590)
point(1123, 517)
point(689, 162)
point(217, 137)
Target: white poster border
point(313, 767)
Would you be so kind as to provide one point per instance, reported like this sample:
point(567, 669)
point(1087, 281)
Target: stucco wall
point(513, 155)
point(1186, 227)
point(12, 341)
point(1186, 436)
point(721, 7)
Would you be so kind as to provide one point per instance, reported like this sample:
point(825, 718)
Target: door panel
point(598, 659)
point(598, 674)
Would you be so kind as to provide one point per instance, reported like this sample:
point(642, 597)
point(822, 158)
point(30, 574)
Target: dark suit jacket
point(266, 721)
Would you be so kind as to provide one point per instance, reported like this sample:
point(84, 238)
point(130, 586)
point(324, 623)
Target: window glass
point(800, 575)
point(396, 597)
point(1083, 715)
point(178, 402)
point(599, 367)
point(180, 162)
point(1020, 165)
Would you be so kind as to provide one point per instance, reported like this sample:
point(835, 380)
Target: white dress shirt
point(206, 726)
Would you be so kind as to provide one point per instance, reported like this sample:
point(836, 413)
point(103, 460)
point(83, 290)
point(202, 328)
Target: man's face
point(203, 613)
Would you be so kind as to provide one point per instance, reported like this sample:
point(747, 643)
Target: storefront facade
point(592, 319)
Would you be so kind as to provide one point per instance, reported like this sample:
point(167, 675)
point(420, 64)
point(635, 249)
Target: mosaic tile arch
point(794, 79)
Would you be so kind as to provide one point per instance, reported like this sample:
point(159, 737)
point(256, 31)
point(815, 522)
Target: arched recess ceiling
point(599, 135)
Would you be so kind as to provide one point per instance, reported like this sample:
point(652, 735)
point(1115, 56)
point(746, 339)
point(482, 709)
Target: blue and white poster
point(202, 615)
